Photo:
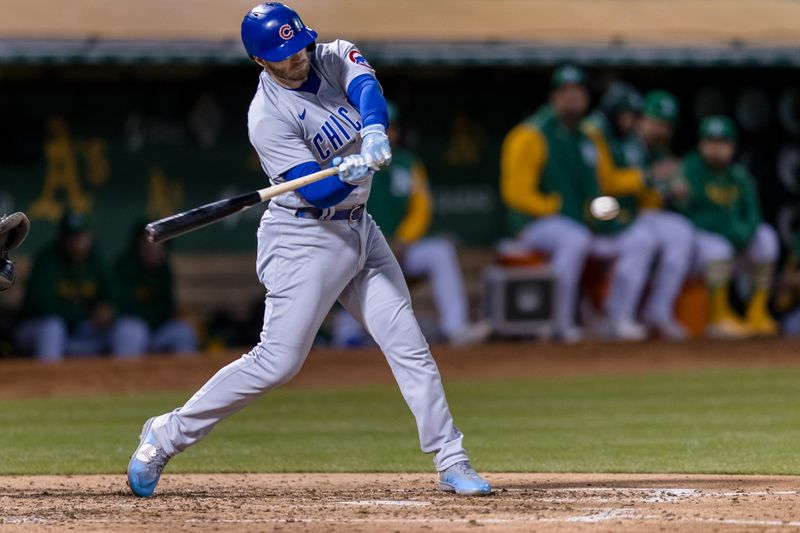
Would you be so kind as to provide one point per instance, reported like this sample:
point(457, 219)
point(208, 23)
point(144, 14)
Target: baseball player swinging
point(316, 105)
point(13, 230)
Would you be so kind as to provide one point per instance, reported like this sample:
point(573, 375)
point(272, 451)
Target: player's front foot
point(462, 479)
point(147, 463)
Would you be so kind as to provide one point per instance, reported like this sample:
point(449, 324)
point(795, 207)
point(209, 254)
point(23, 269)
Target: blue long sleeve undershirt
point(365, 94)
point(324, 193)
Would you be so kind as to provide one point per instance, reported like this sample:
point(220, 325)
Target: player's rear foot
point(670, 329)
point(471, 334)
point(626, 330)
point(147, 463)
point(462, 479)
point(729, 327)
point(570, 335)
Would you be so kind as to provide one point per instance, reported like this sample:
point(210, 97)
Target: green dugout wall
point(127, 143)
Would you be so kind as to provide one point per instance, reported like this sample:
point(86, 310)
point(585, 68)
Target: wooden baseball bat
point(172, 226)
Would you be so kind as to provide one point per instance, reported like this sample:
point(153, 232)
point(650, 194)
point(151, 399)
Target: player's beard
point(293, 71)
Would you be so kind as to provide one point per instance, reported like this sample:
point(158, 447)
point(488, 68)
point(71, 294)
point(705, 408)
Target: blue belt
point(353, 215)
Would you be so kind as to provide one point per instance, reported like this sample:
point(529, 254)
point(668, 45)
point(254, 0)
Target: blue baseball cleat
point(147, 463)
point(462, 479)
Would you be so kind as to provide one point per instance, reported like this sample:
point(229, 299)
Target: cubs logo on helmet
point(286, 32)
point(274, 31)
point(356, 57)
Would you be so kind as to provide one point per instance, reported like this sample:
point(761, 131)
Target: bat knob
point(150, 230)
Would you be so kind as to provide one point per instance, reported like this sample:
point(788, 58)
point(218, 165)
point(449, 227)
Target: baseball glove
point(13, 230)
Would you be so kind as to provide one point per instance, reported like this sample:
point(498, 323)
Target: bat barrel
point(171, 227)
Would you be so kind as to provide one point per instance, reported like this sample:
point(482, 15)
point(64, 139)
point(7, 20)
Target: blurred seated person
point(787, 299)
point(400, 202)
point(147, 310)
point(68, 307)
point(636, 133)
point(551, 170)
point(723, 204)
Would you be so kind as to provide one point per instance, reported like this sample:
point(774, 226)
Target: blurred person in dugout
point(401, 204)
point(636, 133)
point(148, 320)
point(551, 170)
point(68, 307)
point(723, 204)
point(787, 299)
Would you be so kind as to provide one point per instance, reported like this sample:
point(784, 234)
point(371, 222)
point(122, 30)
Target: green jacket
point(723, 202)
point(399, 200)
point(626, 152)
point(56, 287)
point(146, 294)
point(567, 169)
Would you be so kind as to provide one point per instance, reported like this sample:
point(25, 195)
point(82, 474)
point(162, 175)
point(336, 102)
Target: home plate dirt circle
point(404, 502)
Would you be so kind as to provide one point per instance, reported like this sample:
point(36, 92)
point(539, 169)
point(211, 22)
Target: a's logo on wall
point(356, 57)
point(286, 32)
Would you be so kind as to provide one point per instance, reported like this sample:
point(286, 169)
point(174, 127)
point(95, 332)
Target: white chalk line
point(395, 503)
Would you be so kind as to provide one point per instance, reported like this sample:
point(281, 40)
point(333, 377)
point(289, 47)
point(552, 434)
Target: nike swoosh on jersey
point(302, 115)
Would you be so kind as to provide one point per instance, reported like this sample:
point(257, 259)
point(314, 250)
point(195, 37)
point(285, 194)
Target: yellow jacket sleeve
point(417, 219)
point(523, 156)
point(650, 199)
point(613, 180)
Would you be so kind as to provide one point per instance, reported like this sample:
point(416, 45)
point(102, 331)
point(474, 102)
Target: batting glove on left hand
point(354, 169)
point(375, 146)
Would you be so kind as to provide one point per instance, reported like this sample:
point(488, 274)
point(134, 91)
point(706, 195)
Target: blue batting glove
point(354, 169)
point(375, 146)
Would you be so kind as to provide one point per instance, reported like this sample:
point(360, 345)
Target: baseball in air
point(604, 208)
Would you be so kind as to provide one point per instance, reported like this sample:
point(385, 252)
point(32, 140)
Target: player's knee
point(442, 250)
point(185, 338)
point(48, 339)
point(714, 249)
point(129, 337)
point(52, 328)
point(275, 369)
point(575, 244)
point(767, 247)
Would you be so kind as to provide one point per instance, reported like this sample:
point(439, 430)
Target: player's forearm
point(325, 193)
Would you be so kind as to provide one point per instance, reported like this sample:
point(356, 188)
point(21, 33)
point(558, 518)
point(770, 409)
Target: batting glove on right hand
point(375, 145)
point(354, 169)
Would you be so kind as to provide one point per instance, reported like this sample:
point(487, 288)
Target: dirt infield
point(409, 502)
point(331, 368)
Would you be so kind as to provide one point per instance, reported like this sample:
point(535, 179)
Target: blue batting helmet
point(274, 31)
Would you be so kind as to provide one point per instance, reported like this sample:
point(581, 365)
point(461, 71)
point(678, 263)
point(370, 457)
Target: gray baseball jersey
point(289, 127)
point(307, 264)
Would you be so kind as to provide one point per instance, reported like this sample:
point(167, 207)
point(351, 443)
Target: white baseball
point(604, 208)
